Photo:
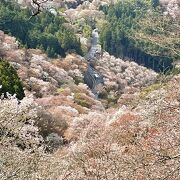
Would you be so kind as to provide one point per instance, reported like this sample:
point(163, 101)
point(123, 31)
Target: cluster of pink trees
point(142, 143)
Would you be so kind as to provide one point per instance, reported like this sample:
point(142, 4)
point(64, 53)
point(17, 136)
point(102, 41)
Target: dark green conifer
point(10, 81)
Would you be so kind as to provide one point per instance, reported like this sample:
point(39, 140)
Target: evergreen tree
point(155, 3)
point(50, 52)
point(134, 30)
point(10, 81)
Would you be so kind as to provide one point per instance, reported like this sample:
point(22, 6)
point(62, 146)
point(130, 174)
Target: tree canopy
point(10, 81)
point(138, 30)
point(38, 31)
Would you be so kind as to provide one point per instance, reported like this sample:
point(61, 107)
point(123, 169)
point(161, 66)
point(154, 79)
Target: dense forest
point(44, 31)
point(138, 30)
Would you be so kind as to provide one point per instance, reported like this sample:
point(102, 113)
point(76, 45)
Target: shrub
point(49, 124)
point(10, 81)
point(81, 100)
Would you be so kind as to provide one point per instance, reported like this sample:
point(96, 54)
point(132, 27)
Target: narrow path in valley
point(92, 77)
point(94, 42)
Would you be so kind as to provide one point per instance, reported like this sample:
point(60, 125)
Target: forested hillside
point(44, 31)
point(89, 90)
point(138, 30)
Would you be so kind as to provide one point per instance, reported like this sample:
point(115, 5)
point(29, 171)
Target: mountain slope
point(61, 130)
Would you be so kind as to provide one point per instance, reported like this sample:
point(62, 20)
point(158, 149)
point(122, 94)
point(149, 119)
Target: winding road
point(92, 77)
point(94, 45)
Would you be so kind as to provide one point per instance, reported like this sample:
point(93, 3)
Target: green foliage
point(87, 30)
point(39, 31)
point(79, 99)
point(69, 41)
point(137, 31)
point(146, 91)
point(10, 81)
point(174, 71)
point(155, 3)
